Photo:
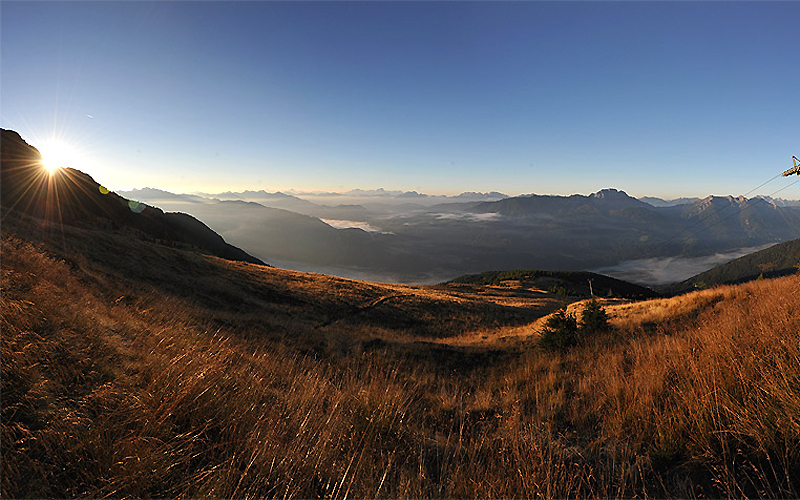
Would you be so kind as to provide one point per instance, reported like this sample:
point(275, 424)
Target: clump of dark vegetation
point(594, 318)
point(562, 330)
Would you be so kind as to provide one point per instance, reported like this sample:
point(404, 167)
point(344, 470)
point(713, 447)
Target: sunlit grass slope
point(135, 369)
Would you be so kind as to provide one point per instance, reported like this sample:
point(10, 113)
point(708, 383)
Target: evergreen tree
point(594, 318)
point(560, 331)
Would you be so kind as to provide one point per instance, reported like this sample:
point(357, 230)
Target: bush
point(594, 318)
point(560, 331)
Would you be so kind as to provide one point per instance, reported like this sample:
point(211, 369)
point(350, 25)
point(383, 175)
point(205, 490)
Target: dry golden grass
point(154, 372)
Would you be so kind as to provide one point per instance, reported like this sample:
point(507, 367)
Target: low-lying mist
point(352, 224)
point(665, 270)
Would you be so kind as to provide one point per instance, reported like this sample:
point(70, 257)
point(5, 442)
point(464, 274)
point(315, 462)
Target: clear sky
point(665, 99)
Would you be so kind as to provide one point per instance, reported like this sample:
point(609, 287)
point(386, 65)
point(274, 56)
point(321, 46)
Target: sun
point(58, 154)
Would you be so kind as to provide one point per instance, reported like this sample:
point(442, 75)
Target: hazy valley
point(413, 238)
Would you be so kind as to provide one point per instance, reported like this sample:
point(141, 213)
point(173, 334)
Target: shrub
point(594, 318)
point(560, 331)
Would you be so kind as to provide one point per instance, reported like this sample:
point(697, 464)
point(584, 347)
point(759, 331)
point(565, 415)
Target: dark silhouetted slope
point(71, 197)
point(778, 260)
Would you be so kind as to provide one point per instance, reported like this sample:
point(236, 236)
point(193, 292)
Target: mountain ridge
point(577, 232)
point(70, 197)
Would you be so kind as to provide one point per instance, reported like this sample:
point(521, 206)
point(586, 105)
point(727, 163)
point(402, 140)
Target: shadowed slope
point(70, 197)
point(574, 283)
point(240, 294)
point(777, 260)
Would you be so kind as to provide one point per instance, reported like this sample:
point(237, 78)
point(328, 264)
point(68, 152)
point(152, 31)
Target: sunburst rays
point(54, 193)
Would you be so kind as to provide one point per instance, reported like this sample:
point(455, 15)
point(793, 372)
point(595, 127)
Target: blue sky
point(665, 99)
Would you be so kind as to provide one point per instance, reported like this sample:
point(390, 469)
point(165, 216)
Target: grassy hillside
point(137, 369)
point(574, 283)
point(777, 260)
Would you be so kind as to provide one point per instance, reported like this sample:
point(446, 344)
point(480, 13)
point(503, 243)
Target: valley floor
point(132, 369)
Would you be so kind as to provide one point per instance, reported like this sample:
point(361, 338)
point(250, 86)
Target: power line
point(762, 185)
point(751, 203)
point(702, 219)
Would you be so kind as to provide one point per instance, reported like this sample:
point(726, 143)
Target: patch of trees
point(563, 330)
point(778, 260)
point(567, 283)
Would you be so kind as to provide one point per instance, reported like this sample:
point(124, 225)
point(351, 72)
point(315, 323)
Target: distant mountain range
point(382, 193)
point(658, 202)
point(70, 197)
point(781, 202)
point(415, 243)
point(321, 204)
point(611, 220)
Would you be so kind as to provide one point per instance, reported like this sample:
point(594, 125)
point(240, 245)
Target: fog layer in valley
point(662, 271)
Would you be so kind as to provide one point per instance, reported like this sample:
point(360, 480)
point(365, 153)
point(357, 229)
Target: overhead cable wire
point(702, 219)
point(752, 202)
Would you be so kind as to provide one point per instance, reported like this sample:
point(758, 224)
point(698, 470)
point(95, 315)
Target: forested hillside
point(777, 260)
